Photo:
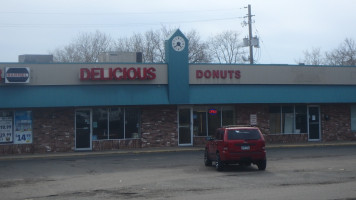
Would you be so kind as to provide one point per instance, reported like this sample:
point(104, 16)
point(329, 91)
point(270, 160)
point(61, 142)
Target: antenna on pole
point(250, 41)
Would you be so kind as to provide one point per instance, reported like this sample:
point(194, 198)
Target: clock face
point(178, 43)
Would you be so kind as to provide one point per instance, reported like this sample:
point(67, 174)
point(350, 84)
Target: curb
point(155, 150)
point(273, 146)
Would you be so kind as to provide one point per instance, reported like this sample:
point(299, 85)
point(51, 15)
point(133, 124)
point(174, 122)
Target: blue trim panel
point(89, 95)
point(228, 94)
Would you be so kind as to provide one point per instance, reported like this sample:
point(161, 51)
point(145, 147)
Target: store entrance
point(83, 131)
point(198, 122)
point(185, 137)
point(314, 123)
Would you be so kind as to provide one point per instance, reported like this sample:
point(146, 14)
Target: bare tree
point(151, 44)
point(198, 50)
point(312, 57)
point(344, 55)
point(227, 48)
point(85, 48)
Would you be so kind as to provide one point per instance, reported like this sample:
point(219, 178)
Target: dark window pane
point(199, 121)
point(132, 123)
point(214, 122)
point(301, 122)
point(116, 123)
point(228, 117)
point(100, 123)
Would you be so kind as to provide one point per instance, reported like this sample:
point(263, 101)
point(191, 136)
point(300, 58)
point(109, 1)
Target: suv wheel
point(207, 161)
point(218, 164)
point(262, 164)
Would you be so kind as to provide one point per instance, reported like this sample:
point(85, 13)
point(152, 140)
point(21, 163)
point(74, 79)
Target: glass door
point(185, 136)
point(314, 123)
point(83, 131)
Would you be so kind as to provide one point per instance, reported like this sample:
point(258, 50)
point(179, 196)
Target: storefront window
point(199, 121)
point(100, 123)
point(353, 118)
point(116, 123)
point(214, 122)
point(288, 119)
point(275, 119)
point(301, 123)
point(207, 119)
point(16, 127)
point(132, 123)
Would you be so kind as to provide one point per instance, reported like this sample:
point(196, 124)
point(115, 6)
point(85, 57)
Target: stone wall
point(159, 126)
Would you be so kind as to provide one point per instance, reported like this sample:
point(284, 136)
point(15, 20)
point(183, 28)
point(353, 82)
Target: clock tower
point(176, 50)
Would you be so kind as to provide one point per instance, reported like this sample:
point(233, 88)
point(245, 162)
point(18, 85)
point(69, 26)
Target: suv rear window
point(243, 134)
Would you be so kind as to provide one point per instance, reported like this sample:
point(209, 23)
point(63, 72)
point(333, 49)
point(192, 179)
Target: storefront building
point(63, 107)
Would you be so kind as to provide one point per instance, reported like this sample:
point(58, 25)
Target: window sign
point(213, 111)
point(5, 129)
point(23, 127)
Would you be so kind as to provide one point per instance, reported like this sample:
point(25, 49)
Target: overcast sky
point(286, 28)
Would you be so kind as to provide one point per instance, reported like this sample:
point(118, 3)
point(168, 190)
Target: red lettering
point(116, 75)
point(131, 73)
point(215, 73)
point(84, 74)
point(231, 72)
point(95, 73)
point(142, 75)
point(237, 74)
point(207, 74)
point(106, 74)
point(223, 74)
point(151, 73)
point(199, 74)
point(124, 73)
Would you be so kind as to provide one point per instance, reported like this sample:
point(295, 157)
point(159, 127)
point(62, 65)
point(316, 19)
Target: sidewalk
point(159, 150)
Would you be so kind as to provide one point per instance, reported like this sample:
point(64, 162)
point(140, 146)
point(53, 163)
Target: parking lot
point(292, 173)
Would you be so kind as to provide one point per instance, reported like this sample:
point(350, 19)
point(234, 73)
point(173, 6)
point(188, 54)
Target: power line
point(116, 13)
point(113, 25)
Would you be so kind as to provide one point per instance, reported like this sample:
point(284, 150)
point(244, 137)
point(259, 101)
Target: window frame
point(282, 118)
point(108, 110)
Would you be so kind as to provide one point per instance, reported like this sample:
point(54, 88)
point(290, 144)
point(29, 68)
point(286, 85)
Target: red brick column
point(159, 126)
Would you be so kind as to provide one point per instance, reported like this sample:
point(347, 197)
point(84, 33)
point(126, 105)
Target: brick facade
point(159, 126)
point(336, 122)
point(54, 129)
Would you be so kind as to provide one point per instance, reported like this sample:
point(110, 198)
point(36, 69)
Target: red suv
point(243, 145)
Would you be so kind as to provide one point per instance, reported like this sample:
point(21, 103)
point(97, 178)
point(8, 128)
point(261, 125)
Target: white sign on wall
point(6, 129)
point(253, 119)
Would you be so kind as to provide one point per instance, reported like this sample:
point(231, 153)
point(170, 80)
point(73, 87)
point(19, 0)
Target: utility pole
point(250, 33)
